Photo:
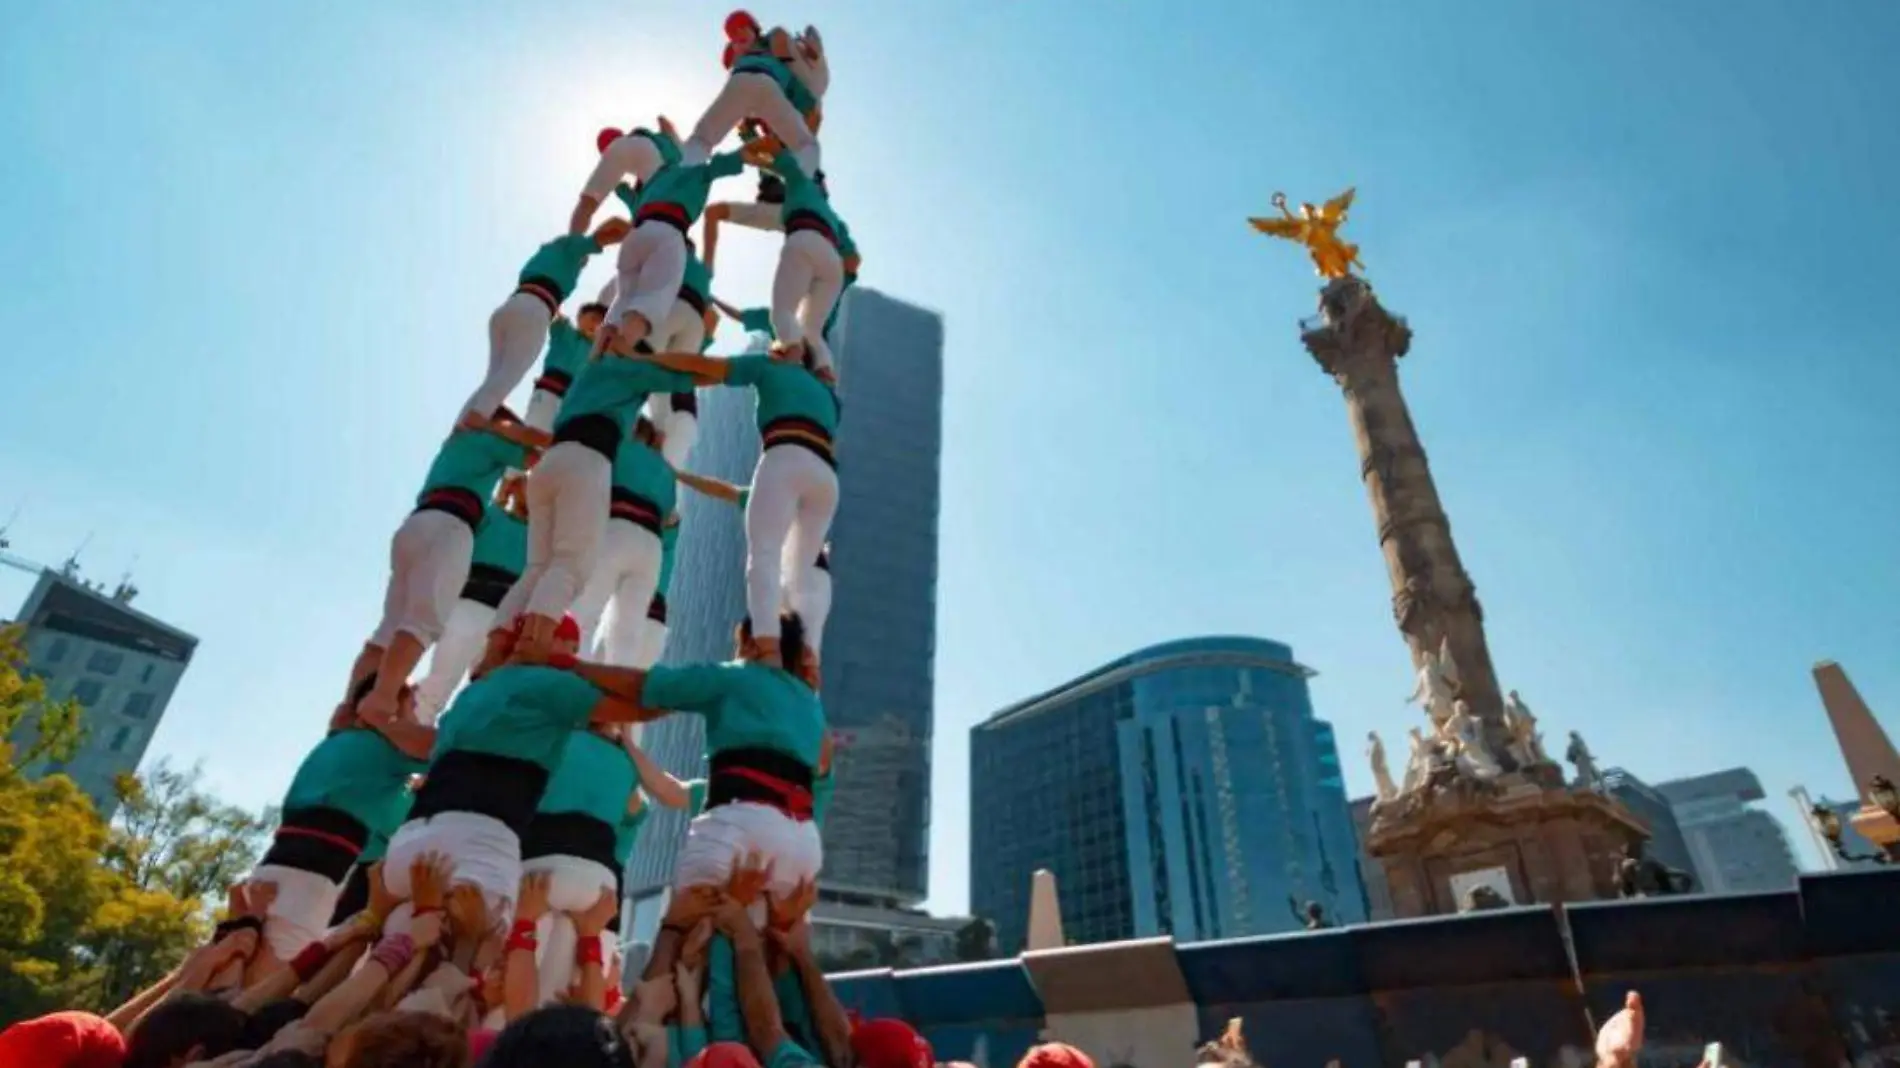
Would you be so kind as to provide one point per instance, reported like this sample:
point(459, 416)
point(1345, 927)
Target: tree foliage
point(89, 913)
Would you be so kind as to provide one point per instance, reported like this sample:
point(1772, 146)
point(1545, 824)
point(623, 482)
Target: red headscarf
point(1055, 1055)
point(607, 136)
point(63, 1040)
point(890, 1043)
point(741, 20)
point(724, 1055)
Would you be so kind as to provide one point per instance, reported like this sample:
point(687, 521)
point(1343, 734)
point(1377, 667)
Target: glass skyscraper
point(880, 642)
point(1186, 789)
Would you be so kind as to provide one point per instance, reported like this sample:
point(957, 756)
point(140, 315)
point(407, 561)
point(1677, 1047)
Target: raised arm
point(709, 242)
point(410, 738)
point(709, 370)
point(519, 434)
point(717, 489)
point(654, 779)
point(758, 1004)
point(809, 64)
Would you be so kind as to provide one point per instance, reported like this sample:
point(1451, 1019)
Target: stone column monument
point(1481, 802)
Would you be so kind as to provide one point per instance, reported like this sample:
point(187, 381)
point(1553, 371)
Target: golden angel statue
point(1317, 229)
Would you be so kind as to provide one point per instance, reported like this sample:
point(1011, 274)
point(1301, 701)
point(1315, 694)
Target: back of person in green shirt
point(569, 345)
point(794, 492)
point(810, 274)
point(652, 264)
point(763, 67)
point(639, 153)
point(519, 327)
point(352, 789)
point(495, 565)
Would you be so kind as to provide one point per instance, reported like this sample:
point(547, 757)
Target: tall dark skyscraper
point(880, 642)
point(1185, 789)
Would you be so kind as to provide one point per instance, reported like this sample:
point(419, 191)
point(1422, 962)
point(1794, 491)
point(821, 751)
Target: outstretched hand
point(785, 912)
point(750, 876)
point(592, 921)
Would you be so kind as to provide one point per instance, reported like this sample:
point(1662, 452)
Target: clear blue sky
point(1646, 250)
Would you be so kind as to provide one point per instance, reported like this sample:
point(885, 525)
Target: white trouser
point(810, 277)
point(428, 565)
point(649, 645)
point(454, 653)
point(627, 154)
point(517, 331)
point(626, 571)
point(574, 884)
point(754, 215)
point(788, 515)
point(808, 592)
point(720, 837)
point(543, 407)
point(567, 514)
point(683, 329)
point(681, 428)
point(651, 267)
point(751, 95)
point(482, 852)
point(300, 913)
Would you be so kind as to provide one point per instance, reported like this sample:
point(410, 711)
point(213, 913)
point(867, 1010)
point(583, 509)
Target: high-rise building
point(1371, 872)
point(1666, 843)
point(120, 664)
point(880, 641)
point(1737, 848)
point(1186, 789)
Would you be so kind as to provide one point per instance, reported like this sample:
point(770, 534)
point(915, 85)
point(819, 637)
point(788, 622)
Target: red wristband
point(524, 927)
point(589, 951)
point(309, 961)
point(563, 661)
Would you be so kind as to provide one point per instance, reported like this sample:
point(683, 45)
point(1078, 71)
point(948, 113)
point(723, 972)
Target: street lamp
point(1829, 823)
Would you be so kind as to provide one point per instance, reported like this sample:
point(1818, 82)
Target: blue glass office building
point(1186, 789)
point(880, 642)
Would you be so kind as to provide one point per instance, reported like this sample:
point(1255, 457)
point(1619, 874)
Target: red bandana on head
point(890, 1043)
point(607, 136)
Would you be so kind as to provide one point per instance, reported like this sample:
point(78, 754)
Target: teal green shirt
point(471, 460)
point(764, 62)
point(560, 262)
point(683, 1044)
point(698, 277)
point(616, 387)
point(567, 349)
point(627, 831)
point(746, 705)
point(758, 321)
point(520, 711)
point(594, 778)
point(629, 196)
point(356, 771)
point(696, 797)
point(821, 796)
point(501, 541)
point(688, 188)
point(640, 470)
point(669, 548)
point(785, 390)
point(668, 147)
point(802, 193)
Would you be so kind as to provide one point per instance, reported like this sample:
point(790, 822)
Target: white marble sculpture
point(1383, 789)
point(1437, 682)
point(1466, 735)
point(1526, 742)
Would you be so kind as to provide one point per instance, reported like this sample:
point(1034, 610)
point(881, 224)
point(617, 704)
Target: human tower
point(529, 531)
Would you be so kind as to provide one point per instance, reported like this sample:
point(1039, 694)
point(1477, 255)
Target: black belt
point(322, 841)
point(823, 563)
point(555, 381)
point(804, 433)
point(488, 584)
point(569, 834)
point(812, 221)
point(685, 402)
point(598, 432)
point(631, 507)
point(760, 776)
point(656, 609)
point(695, 298)
point(502, 788)
point(461, 503)
point(355, 896)
point(545, 290)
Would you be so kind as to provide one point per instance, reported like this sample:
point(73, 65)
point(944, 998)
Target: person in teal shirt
point(569, 497)
point(651, 642)
point(794, 492)
point(500, 553)
point(351, 790)
point(519, 327)
point(763, 68)
point(429, 554)
point(810, 275)
point(627, 569)
point(495, 755)
point(639, 152)
point(652, 264)
point(574, 837)
point(569, 344)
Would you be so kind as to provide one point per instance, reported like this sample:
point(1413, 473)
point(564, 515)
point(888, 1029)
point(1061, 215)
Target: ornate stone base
point(1546, 841)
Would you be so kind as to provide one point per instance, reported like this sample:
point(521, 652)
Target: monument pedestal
point(1527, 835)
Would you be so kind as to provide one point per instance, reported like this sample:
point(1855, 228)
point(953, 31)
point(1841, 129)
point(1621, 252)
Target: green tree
point(171, 834)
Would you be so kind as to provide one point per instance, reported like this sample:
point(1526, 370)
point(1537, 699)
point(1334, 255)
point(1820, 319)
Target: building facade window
point(137, 705)
point(57, 651)
point(88, 692)
point(119, 738)
point(105, 661)
point(146, 675)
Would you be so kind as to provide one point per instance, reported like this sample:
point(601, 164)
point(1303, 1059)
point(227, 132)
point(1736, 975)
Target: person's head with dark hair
point(401, 1040)
point(287, 1058)
point(791, 644)
point(264, 1024)
point(589, 318)
point(572, 1036)
point(186, 1028)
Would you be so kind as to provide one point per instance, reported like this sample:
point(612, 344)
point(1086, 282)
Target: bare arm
point(615, 710)
point(728, 310)
point(412, 739)
point(584, 210)
point(335, 970)
point(125, 1016)
point(711, 487)
point(621, 683)
point(715, 214)
point(519, 981)
point(827, 1013)
point(758, 1005)
point(283, 982)
point(654, 779)
point(708, 369)
point(525, 436)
